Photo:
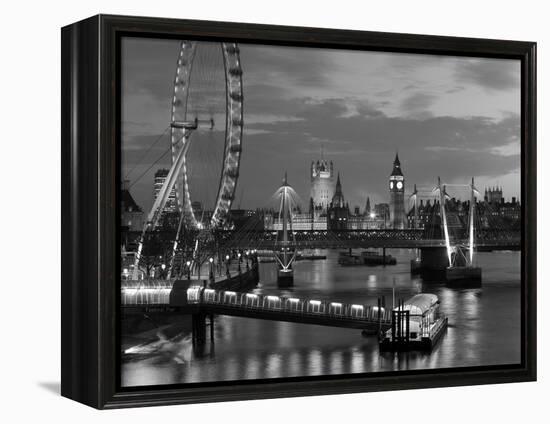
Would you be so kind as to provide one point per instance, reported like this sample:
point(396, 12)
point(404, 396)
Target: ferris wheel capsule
point(188, 125)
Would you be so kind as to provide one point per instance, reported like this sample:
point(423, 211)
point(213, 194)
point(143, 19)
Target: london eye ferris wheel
point(206, 128)
point(207, 100)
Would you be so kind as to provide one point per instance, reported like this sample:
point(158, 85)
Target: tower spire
point(367, 206)
point(338, 198)
point(396, 166)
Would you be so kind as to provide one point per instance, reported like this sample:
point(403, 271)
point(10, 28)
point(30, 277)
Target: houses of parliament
point(328, 208)
point(328, 204)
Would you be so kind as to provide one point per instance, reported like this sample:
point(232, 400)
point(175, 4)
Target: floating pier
point(416, 325)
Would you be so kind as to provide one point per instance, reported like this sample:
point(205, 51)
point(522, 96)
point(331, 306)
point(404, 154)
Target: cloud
point(362, 146)
point(292, 65)
point(140, 70)
point(511, 149)
point(456, 89)
point(132, 128)
point(417, 102)
point(135, 146)
point(326, 119)
point(490, 74)
point(405, 63)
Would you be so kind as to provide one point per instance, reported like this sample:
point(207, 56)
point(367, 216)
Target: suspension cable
point(151, 166)
point(146, 153)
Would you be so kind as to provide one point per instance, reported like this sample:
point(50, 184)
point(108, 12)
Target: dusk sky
point(446, 116)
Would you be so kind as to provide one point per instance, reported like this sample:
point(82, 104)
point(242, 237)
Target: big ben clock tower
point(397, 196)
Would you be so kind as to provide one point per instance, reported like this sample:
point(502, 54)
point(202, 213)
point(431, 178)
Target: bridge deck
point(251, 305)
point(408, 239)
point(374, 238)
point(372, 243)
point(315, 318)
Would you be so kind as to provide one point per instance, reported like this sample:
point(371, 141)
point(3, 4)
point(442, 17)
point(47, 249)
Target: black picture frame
point(90, 210)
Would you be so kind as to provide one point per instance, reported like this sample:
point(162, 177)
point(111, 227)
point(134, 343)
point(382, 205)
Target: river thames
point(484, 328)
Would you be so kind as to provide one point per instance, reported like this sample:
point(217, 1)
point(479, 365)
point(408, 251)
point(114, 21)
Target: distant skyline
point(451, 117)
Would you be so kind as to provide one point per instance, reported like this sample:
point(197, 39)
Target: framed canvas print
point(255, 211)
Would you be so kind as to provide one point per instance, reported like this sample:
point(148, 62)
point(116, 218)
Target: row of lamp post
point(247, 257)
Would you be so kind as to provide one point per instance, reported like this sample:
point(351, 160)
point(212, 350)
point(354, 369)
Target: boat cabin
point(423, 313)
point(416, 323)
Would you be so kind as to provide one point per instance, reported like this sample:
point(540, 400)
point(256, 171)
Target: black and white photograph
point(288, 212)
point(301, 212)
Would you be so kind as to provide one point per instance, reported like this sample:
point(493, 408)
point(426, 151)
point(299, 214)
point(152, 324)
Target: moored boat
point(367, 257)
point(374, 258)
point(346, 258)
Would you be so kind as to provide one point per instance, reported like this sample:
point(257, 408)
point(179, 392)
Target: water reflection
point(484, 328)
point(372, 281)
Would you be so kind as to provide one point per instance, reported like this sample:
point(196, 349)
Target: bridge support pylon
point(212, 327)
point(285, 277)
point(198, 325)
point(433, 263)
point(287, 255)
point(430, 262)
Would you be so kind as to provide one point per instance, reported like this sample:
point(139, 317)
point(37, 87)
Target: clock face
point(391, 185)
point(399, 185)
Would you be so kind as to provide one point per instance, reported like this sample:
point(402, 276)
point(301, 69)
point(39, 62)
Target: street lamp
point(227, 266)
point(239, 262)
point(188, 263)
point(211, 260)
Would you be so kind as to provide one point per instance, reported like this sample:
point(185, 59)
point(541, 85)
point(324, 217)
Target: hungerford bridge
point(224, 246)
point(375, 238)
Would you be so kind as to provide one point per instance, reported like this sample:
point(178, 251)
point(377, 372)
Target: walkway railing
point(157, 292)
point(288, 305)
point(145, 292)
